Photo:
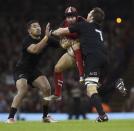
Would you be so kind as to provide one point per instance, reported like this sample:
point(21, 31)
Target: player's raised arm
point(61, 32)
point(37, 47)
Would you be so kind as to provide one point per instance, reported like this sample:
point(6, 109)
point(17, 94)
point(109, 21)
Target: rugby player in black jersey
point(93, 51)
point(27, 70)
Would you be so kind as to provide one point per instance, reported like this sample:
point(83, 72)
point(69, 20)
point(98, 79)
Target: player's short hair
point(28, 25)
point(98, 15)
point(71, 11)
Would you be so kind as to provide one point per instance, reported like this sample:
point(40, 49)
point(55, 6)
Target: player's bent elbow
point(33, 51)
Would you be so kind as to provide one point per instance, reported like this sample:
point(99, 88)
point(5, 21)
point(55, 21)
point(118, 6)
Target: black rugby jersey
point(90, 35)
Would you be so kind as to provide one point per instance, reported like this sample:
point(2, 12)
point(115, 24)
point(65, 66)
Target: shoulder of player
point(80, 19)
point(92, 25)
point(82, 23)
point(95, 25)
point(30, 39)
point(26, 38)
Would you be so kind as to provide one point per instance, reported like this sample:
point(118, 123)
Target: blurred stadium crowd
point(119, 38)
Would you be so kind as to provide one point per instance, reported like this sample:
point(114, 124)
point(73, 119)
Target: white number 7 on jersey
point(100, 32)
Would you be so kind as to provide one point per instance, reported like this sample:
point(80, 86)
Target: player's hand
point(47, 31)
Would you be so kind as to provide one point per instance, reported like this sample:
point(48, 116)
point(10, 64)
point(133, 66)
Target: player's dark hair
point(98, 15)
point(31, 22)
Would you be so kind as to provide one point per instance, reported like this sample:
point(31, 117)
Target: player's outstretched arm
point(37, 48)
point(60, 32)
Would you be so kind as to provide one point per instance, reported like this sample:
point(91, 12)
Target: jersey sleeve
point(26, 43)
point(75, 28)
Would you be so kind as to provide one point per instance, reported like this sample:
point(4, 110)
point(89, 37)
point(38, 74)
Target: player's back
point(91, 37)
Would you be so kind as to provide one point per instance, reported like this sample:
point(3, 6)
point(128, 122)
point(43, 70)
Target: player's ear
point(29, 31)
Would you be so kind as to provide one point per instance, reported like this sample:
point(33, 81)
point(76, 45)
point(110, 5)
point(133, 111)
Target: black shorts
point(94, 64)
point(29, 76)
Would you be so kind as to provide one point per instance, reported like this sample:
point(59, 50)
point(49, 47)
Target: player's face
point(71, 19)
point(35, 29)
point(90, 16)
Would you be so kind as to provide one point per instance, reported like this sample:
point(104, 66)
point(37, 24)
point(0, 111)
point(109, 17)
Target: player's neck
point(35, 37)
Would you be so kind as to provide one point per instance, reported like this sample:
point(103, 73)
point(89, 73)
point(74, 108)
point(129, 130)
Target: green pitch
point(80, 125)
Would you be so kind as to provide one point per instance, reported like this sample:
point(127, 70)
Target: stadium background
point(119, 38)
